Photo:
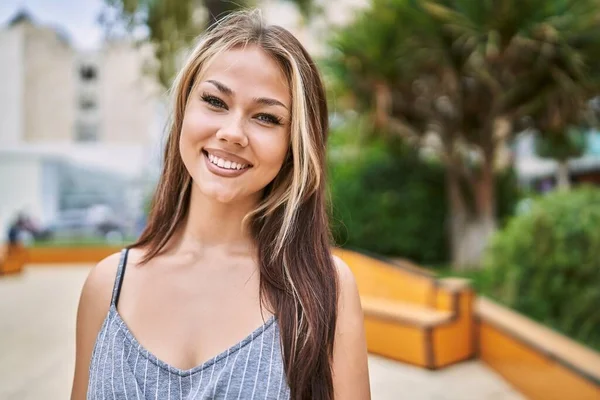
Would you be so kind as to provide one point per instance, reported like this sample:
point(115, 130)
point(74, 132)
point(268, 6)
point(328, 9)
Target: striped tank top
point(121, 368)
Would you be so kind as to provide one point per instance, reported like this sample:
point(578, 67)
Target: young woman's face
point(235, 132)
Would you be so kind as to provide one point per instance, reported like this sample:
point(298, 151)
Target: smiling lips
point(225, 163)
point(221, 164)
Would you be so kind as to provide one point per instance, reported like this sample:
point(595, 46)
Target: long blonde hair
point(290, 224)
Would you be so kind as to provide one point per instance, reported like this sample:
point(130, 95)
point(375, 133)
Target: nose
point(233, 132)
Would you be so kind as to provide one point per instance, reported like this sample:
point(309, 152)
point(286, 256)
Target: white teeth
point(225, 163)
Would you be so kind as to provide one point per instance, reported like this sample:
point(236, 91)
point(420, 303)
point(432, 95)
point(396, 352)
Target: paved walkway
point(37, 325)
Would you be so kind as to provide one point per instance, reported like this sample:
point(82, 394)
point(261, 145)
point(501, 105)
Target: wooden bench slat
point(403, 312)
point(540, 336)
point(454, 284)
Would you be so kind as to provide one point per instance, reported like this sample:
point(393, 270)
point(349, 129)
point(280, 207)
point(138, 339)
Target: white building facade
point(67, 116)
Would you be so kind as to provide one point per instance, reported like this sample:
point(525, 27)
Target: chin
point(225, 193)
point(225, 198)
point(222, 196)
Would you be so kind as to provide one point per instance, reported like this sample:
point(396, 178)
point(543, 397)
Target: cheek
point(186, 145)
point(272, 154)
point(196, 125)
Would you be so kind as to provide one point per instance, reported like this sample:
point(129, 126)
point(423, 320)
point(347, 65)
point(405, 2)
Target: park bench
point(540, 362)
point(410, 314)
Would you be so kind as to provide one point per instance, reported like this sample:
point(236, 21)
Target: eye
point(269, 119)
point(213, 101)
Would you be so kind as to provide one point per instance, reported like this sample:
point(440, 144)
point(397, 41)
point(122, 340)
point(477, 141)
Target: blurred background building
point(539, 173)
point(78, 129)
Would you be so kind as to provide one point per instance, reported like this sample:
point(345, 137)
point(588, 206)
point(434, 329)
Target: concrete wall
point(11, 86)
point(41, 90)
point(49, 97)
point(128, 97)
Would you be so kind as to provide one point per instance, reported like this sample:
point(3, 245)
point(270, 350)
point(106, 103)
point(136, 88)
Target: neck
point(210, 224)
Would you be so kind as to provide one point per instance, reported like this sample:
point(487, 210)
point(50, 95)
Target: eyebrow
point(261, 100)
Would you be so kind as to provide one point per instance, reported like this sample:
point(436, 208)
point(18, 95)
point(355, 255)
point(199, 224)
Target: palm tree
point(466, 70)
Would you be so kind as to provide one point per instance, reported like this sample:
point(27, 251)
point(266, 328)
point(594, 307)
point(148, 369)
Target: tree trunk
point(562, 175)
point(470, 236)
point(471, 227)
point(383, 105)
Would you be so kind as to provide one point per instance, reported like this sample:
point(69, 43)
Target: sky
point(78, 18)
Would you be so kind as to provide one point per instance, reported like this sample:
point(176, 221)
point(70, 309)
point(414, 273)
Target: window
point(86, 132)
point(87, 103)
point(88, 72)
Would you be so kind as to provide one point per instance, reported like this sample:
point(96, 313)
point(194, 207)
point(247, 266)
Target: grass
point(79, 242)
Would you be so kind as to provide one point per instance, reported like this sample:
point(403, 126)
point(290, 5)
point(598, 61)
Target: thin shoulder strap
point(119, 278)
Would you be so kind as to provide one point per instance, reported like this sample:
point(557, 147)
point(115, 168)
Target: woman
point(236, 242)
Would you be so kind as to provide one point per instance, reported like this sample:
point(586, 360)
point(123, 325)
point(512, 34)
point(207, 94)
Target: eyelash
point(218, 103)
point(211, 100)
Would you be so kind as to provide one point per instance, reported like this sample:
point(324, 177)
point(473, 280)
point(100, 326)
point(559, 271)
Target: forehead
point(249, 71)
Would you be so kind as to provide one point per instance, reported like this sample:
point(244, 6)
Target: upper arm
point(350, 361)
point(93, 306)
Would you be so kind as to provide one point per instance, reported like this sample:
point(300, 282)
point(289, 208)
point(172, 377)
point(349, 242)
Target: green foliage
point(389, 200)
point(81, 242)
point(546, 263)
point(562, 145)
point(508, 195)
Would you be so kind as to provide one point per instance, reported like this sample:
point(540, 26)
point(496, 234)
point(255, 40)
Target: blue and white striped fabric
point(122, 369)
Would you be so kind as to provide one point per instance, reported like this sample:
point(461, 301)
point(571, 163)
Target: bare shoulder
point(350, 365)
point(97, 289)
point(94, 303)
point(96, 293)
point(101, 279)
point(347, 283)
point(344, 271)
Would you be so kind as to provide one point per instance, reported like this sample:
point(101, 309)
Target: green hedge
point(388, 200)
point(546, 263)
point(81, 242)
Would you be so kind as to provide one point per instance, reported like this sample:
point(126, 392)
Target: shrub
point(546, 263)
point(389, 200)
